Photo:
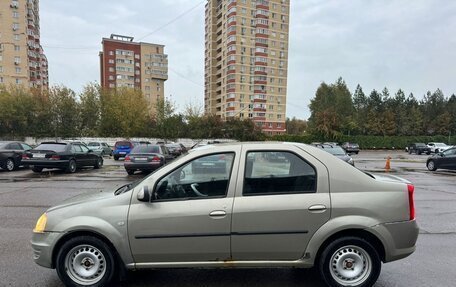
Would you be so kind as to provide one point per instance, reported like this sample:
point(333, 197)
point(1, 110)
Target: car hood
point(83, 198)
point(389, 178)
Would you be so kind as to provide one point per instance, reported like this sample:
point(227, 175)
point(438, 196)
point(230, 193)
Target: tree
point(90, 106)
point(295, 126)
point(64, 112)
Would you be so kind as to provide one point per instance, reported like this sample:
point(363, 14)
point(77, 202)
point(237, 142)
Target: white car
point(438, 147)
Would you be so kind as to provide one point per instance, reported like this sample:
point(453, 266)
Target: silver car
point(273, 205)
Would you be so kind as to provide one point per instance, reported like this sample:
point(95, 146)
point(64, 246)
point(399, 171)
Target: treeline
point(60, 112)
point(336, 112)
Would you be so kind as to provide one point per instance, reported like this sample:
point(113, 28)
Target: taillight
point(156, 159)
point(24, 156)
point(127, 158)
point(411, 190)
point(55, 157)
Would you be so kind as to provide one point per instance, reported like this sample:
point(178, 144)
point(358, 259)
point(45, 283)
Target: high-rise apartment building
point(124, 63)
point(22, 59)
point(246, 52)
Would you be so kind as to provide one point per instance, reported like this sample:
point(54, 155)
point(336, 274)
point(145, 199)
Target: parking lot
point(25, 195)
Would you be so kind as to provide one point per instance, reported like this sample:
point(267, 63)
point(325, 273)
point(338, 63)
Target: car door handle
point(217, 213)
point(317, 208)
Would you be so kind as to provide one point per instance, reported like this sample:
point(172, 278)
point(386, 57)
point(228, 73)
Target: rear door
point(448, 159)
point(282, 198)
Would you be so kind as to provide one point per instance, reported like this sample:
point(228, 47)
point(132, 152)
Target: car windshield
point(335, 150)
point(2, 144)
point(440, 144)
point(94, 144)
point(420, 144)
point(54, 147)
point(146, 149)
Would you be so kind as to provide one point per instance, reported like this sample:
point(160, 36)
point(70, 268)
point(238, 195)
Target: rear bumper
point(46, 163)
point(142, 165)
point(399, 238)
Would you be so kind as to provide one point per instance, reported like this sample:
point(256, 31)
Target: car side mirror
point(442, 154)
point(90, 150)
point(144, 194)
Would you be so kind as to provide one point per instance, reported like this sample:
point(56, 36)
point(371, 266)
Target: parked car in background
point(11, 154)
point(331, 143)
point(61, 155)
point(437, 147)
point(147, 158)
point(307, 210)
point(100, 148)
point(122, 148)
point(444, 160)
point(419, 148)
point(176, 149)
point(350, 147)
point(337, 151)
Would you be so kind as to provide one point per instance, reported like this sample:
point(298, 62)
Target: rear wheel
point(130, 171)
point(116, 157)
point(349, 261)
point(71, 168)
point(431, 165)
point(85, 261)
point(37, 169)
point(10, 165)
point(98, 163)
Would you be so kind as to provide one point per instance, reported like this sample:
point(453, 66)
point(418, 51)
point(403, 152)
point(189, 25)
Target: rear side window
point(26, 146)
point(53, 147)
point(15, 146)
point(270, 172)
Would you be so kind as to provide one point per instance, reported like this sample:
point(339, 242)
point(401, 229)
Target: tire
point(431, 165)
point(428, 153)
point(98, 163)
point(419, 152)
point(357, 152)
point(10, 165)
point(410, 151)
point(116, 157)
point(130, 171)
point(71, 168)
point(349, 261)
point(37, 169)
point(85, 261)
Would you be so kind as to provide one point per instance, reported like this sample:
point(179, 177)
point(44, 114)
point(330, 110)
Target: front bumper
point(43, 245)
point(399, 238)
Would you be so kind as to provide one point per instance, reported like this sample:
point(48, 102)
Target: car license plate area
point(39, 155)
point(141, 159)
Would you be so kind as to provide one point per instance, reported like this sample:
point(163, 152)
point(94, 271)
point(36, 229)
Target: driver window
point(204, 177)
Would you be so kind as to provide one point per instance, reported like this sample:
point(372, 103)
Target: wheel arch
point(360, 233)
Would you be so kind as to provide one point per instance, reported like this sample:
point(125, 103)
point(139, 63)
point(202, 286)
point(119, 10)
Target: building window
point(15, 26)
point(1, 69)
point(18, 70)
point(1, 79)
point(17, 48)
point(15, 14)
point(18, 81)
point(111, 53)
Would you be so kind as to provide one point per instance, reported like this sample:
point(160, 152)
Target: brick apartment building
point(124, 63)
point(246, 52)
point(22, 59)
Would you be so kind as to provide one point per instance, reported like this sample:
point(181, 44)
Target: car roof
point(61, 143)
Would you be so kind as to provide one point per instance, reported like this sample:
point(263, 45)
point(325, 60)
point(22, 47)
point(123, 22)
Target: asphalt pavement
point(24, 196)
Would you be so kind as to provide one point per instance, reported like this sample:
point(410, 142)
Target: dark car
point(419, 148)
point(61, 155)
point(176, 149)
point(350, 147)
point(445, 160)
point(147, 158)
point(338, 152)
point(11, 154)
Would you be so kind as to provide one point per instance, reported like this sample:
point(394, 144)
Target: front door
point(282, 198)
point(189, 216)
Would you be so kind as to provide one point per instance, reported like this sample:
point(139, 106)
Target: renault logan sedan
point(273, 205)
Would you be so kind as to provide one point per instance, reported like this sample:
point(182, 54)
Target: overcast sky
point(397, 44)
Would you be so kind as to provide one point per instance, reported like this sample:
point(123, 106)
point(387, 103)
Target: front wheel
point(85, 261)
point(116, 157)
point(10, 164)
point(431, 165)
point(349, 261)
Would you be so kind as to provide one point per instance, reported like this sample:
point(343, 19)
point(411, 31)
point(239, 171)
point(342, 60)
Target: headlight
point(40, 224)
